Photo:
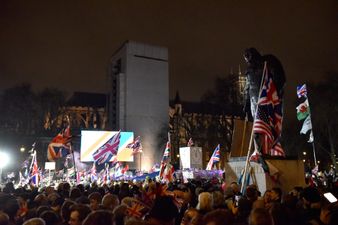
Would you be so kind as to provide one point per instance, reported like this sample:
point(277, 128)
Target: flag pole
point(313, 141)
point(252, 131)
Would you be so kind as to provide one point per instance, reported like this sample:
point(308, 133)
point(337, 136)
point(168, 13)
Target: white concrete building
point(139, 96)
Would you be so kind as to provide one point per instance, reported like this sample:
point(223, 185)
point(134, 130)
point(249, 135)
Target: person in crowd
point(276, 195)
point(218, 217)
point(163, 212)
point(99, 217)
point(35, 221)
point(95, 199)
point(110, 201)
point(260, 216)
point(4, 219)
point(205, 203)
point(50, 217)
point(78, 212)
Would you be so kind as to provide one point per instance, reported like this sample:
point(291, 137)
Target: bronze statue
point(255, 64)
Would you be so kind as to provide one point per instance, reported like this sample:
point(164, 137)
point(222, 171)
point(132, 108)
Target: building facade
point(139, 96)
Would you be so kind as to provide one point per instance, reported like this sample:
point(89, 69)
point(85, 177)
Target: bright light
point(4, 159)
point(178, 155)
point(22, 149)
point(303, 160)
point(304, 153)
point(318, 161)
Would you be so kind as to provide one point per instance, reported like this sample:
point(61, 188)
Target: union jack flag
point(268, 119)
point(190, 142)
point(136, 145)
point(214, 158)
point(301, 91)
point(35, 171)
point(60, 145)
point(135, 210)
point(165, 158)
point(108, 150)
point(93, 175)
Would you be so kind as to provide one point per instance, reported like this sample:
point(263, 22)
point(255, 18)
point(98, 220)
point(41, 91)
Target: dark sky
point(68, 43)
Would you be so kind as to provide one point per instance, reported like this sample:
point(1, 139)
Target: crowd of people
point(209, 202)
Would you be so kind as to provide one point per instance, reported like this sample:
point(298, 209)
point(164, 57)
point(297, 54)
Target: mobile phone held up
point(330, 197)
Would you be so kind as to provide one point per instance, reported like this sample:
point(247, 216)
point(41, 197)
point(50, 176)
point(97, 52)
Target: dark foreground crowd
point(196, 202)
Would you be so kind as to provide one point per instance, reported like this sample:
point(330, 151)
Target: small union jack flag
point(214, 158)
point(301, 91)
point(135, 210)
point(136, 145)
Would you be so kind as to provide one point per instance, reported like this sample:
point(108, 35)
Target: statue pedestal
point(291, 173)
point(191, 157)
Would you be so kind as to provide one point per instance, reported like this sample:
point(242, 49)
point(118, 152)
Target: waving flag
point(190, 143)
point(268, 119)
point(301, 91)
point(108, 150)
point(136, 145)
point(35, 171)
point(93, 176)
point(214, 158)
point(303, 110)
point(60, 145)
point(135, 210)
point(307, 125)
point(165, 158)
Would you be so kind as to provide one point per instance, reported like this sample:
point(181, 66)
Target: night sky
point(68, 43)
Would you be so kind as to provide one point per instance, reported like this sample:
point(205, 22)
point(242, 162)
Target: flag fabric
point(269, 116)
point(214, 158)
point(135, 210)
point(168, 173)
point(303, 110)
point(190, 142)
point(136, 145)
point(165, 159)
point(311, 138)
point(301, 91)
point(60, 145)
point(93, 176)
point(307, 125)
point(108, 150)
point(35, 171)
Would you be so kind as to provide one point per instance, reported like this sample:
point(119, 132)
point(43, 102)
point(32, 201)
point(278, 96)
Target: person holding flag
point(215, 158)
point(165, 162)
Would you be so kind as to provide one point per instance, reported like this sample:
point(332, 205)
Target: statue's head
point(251, 56)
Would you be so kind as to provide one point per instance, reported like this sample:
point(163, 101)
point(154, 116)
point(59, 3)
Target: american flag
point(301, 91)
point(268, 120)
point(190, 142)
point(108, 150)
point(35, 171)
point(214, 158)
point(136, 145)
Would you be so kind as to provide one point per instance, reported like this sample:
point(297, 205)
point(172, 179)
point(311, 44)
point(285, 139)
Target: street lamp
point(4, 160)
point(22, 149)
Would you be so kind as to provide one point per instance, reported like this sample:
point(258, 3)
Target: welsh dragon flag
point(303, 110)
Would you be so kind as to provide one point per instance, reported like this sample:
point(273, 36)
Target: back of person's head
point(99, 217)
point(311, 195)
point(189, 215)
point(218, 199)
point(74, 193)
point(4, 219)
point(205, 201)
point(260, 216)
point(83, 200)
point(82, 209)
point(110, 201)
point(251, 193)
point(218, 217)
point(9, 205)
point(50, 217)
point(34, 221)
point(42, 209)
point(164, 210)
point(65, 210)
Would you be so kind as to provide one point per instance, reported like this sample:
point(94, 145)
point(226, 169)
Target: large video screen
point(91, 141)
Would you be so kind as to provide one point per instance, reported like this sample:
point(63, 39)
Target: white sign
point(191, 157)
point(49, 165)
